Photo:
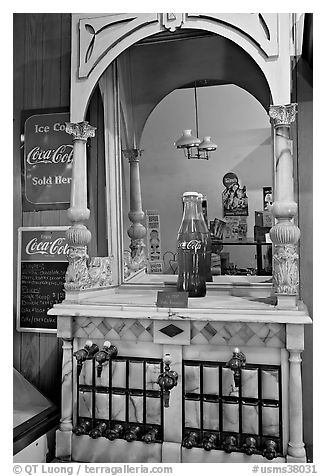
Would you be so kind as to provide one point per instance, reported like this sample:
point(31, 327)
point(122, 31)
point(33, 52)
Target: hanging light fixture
point(193, 147)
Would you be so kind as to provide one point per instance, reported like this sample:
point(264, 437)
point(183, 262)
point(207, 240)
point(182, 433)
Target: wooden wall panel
point(18, 81)
point(65, 59)
point(65, 52)
point(41, 80)
point(51, 61)
point(30, 342)
point(42, 50)
point(33, 60)
point(30, 357)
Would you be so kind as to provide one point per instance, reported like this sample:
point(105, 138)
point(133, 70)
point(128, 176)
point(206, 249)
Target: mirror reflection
point(207, 86)
point(233, 180)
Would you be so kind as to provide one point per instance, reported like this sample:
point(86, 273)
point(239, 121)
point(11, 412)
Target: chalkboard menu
point(42, 265)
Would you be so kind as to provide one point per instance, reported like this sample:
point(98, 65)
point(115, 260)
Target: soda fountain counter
point(217, 381)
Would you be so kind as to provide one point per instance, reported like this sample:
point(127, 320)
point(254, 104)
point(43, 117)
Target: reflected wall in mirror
point(241, 129)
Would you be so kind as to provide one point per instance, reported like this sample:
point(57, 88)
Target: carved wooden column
point(136, 231)
point(78, 236)
point(295, 345)
point(284, 234)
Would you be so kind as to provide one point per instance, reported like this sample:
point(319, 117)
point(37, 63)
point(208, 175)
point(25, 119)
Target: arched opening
point(155, 70)
point(151, 69)
point(244, 148)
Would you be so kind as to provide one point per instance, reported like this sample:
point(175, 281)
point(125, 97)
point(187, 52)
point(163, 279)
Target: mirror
point(239, 125)
point(156, 85)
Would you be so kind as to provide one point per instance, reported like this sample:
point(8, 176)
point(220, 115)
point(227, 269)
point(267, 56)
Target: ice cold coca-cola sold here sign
point(48, 156)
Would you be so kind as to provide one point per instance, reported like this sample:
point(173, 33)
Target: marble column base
point(102, 450)
point(296, 459)
point(298, 453)
point(63, 445)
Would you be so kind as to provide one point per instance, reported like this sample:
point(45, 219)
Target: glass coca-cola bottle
point(202, 204)
point(191, 248)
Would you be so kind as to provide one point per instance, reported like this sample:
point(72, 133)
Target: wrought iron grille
point(230, 424)
point(132, 416)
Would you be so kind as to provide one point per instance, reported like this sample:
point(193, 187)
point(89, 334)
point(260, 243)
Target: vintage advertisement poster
point(47, 162)
point(155, 263)
point(267, 198)
point(234, 198)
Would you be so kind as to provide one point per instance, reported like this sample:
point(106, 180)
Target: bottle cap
point(190, 194)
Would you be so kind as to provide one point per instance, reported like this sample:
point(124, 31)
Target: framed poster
point(47, 161)
point(267, 198)
point(42, 265)
point(234, 198)
point(154, 252)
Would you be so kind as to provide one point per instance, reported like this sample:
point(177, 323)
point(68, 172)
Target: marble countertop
point(139, 301)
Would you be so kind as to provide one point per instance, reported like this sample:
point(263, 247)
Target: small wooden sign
point(172, 299)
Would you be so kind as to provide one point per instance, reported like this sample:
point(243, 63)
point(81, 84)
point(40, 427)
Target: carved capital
point(100, 272)
point(285, 269)
point(133, 155)
point(77, 272)
point(283, 115)
point(79, 276)
point(80, 130)
point(172, 21)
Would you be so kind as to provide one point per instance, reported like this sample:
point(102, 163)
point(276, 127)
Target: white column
point(66, 386)
point(295, 344)
point(136, 231)
point(284, 234)
point(78, 236)
point(63, 434)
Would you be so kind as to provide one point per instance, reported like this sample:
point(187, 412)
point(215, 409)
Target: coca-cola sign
point(62, 154)
point(41, 269)
point(49, 245)
point(191, 245)
point(48, 157)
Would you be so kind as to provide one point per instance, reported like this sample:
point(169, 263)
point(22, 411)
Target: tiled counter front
point(205, 401)
point(253, 334)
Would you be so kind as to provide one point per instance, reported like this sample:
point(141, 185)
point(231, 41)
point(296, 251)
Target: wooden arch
point(97, 41)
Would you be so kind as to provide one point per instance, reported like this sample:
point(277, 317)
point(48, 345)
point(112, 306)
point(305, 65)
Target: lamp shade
point(207, 144)
point(187, 140)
